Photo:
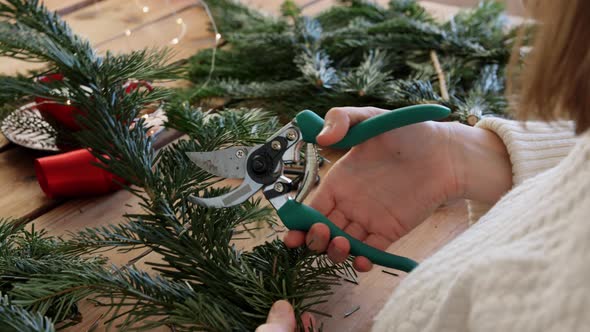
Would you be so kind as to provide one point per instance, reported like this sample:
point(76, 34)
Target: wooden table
point(125, 25)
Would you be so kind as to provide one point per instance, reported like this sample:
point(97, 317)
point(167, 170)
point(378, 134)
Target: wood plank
point(184, 39)
point(61, 4)
point(167, 32)
point(109, 19)
point(20, 193)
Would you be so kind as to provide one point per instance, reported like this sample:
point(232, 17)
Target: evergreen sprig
point(15, 318)
point(357, 54)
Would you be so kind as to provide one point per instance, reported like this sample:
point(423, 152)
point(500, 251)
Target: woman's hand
point(281, 318)
point(386, 186)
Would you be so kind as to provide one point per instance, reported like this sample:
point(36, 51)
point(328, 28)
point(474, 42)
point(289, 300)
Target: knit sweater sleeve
point(533, 148)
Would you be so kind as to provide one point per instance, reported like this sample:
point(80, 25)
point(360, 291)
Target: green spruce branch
point(357, 54)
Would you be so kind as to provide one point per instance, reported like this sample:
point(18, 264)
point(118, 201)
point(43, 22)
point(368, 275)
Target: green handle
point(297, 216)
point(311, 124)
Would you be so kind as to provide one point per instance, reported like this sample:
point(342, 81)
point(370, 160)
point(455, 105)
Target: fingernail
point(280, 309)
point(335, 249)
point(326, 129)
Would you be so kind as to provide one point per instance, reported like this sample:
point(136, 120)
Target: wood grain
point(105, 20)
point(20, 194)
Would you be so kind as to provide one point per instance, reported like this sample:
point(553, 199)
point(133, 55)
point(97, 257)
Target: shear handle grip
point(297, 216)
point(311, 124)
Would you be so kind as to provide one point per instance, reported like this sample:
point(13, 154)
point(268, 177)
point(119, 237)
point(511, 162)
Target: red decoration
point(74, 174)
point(66, 114)
point(63, 114)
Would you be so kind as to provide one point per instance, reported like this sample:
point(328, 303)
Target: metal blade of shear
point(227, 163)
point(234, 197)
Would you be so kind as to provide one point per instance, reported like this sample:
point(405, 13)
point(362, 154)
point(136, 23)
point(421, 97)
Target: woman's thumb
point(336, 124)
point(281, 318)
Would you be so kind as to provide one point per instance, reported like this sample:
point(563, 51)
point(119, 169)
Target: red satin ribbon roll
point(73, 174)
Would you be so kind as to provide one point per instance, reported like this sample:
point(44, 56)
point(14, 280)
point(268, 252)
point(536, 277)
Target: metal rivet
point(276, 145)
point(278, 187)
point(240, 153)
point(291, 135)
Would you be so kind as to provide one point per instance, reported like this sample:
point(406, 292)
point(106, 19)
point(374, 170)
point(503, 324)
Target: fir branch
point(368, 77)
point(313, 62)
point(31, 32)
point(16, 319)
point(26, 254)
point(332, 54)
point(231, 15)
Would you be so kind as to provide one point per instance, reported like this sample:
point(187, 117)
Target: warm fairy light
point(217, 37)
point(174, 41)
point(146, 9)
point(179, 21)
point(127, 32)
point(68, 102)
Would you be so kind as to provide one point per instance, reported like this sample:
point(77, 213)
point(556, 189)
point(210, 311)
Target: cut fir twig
point(355, 309)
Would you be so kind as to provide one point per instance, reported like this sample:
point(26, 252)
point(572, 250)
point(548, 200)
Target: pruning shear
point(262, 168)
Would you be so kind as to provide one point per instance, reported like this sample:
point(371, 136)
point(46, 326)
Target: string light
point(183, 29)
point(204, 4)
point(68, 102)
point(176, 40)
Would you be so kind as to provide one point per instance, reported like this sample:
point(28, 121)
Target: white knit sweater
point(525, 265)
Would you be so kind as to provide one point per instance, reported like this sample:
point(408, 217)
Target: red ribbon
point(73, 174)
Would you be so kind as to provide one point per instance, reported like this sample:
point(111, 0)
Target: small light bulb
point(179, 21)
point(174, 41)
point(217, 37)
point(146, 9)
point(127, 32)
point(68, 102)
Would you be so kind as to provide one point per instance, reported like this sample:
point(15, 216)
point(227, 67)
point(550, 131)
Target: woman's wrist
point(482, 164)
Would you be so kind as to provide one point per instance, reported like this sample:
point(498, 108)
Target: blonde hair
point(555, 79)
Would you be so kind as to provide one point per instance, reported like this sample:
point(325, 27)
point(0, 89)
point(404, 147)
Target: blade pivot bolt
point(240, 154)
point(279, 187)
point(259, 165)
point(276, 145)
